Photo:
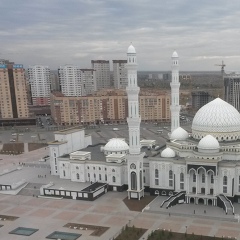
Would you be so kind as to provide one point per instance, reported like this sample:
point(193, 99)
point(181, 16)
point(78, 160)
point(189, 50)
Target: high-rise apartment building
point(232, 89)
point(108, 106)
point(88, 78)
point(70, 80)
point(120, 78)
point(39, 80)
point(13, 91)
point(200, 98)
point(102, 68)
point(55, 85)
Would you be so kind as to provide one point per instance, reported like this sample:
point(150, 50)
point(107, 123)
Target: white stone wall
point(78, 168)
point(65, 169)
point(55, 151)
point(87, 140)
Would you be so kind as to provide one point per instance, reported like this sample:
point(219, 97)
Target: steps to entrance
point(166, 203)
point(229, 209)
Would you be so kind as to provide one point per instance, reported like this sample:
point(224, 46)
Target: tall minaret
point(175, 107)
point(135, 157)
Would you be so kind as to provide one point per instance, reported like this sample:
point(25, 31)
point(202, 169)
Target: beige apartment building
point(108, 106)
point(13, 92)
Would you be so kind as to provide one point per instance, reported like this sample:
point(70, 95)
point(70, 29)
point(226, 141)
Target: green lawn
point(131, 233)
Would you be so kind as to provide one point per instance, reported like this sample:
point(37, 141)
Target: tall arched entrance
point(210, 202)
point(192, 200)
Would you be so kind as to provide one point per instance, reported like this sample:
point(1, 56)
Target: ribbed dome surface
point(168, 153)
point(179, 134)
point(208, 142)
point(217, 116)
point(115, 145)
point(131, 49)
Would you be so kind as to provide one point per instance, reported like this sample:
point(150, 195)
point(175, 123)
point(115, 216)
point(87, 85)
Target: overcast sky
point(59, 32)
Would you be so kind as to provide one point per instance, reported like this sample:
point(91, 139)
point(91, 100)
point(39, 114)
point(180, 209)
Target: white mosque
point(202, 167)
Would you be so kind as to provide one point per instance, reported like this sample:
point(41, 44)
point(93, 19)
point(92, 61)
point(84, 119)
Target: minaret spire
point(175, 107)
point(135, 157)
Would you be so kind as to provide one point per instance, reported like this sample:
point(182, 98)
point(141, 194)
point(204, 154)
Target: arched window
point(105, 177)
point(212, 179)
point(170, 174)
point(114, 179)
point(225, 180)
point(156, 173)
point(133, 181)
point(99, 168)
point(94, 175)
point(100, 177)
point(77, 176)
point(194, 177)
point(203, 178)
point(88, 175)
point(77, 167)
point(113, 170)
point(64, 174)
point(181, 177)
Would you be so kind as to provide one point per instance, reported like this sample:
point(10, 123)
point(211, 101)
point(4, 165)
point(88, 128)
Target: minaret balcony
point(132, 90)
point(133, 121)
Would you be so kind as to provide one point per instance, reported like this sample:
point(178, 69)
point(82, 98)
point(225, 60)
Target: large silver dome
point(218, 118)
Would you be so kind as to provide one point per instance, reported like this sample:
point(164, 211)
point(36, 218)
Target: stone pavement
point(197, 219)
point(50, 215)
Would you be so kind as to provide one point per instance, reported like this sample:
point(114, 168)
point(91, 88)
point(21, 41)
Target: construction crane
point(222, 66)
point(222, 82)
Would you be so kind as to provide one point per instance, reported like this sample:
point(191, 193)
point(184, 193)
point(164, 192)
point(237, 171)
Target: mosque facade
point(203, 166)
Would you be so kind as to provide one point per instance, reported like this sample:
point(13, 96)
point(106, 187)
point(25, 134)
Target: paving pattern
point(109, 211)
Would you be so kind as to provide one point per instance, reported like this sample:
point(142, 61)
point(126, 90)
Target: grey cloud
point(55, 32)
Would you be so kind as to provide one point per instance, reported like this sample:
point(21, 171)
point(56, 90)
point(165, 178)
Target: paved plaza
point(50, 215)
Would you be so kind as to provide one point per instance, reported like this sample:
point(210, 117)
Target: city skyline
point(55, 33)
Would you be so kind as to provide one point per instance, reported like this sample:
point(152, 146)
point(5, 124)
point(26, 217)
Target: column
point(187, 183)
point(215, 190)
point(197, 176)
point(206, 184)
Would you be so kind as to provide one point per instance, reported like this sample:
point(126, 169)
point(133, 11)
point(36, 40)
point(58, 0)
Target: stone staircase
point(227, 202)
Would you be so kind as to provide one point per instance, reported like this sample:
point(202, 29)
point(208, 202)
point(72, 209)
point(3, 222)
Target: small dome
point(168, 153)
point(179, 134)
point(208, 142)
point(131, 49)
point(116, 145)
point(174, 55)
